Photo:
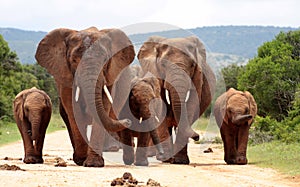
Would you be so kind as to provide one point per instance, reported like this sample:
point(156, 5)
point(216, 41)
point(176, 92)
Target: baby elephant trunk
point(241, 119)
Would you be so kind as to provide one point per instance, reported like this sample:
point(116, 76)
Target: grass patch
point(9, 131)
point(277, 155)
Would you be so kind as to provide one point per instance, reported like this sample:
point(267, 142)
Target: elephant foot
point(128, 155)
point(128, 160)
point(195, 136)
point(79, 159)
point(142, 162)
point(180, 159)
point(94, 161)
point(230, 161)
point(33, 160)
point(241, 160)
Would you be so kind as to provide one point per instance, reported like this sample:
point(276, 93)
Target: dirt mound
point(10, 167)
point(129, 181)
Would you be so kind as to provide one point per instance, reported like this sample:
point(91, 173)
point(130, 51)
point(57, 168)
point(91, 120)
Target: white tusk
point(141, 119)
point(77, 93)
point(187, 96)
point(167, 97)
point(157, 119)
point(89, 132)
point(107, 94)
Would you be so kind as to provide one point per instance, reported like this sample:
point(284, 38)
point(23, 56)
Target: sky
point(46, 15)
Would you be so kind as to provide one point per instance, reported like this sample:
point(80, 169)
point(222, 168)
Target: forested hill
point(235, 40)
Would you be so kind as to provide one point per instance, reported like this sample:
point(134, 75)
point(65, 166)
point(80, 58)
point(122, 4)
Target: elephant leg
point(165, 135)
point(242, 141)
point(79, 144)
point(229, 142)
point(141, 151)
point(29, 151)
point(128, 151)
point(94, 154)
point(180, 148)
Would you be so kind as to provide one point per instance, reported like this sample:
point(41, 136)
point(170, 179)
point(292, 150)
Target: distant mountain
point(22, 42)
point(227, 44)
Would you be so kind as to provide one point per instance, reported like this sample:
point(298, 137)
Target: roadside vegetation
point(273, 77)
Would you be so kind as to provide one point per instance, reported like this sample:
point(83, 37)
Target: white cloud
point(78, 14)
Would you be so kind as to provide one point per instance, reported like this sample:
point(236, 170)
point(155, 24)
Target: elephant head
point(30, 106)
point(181, 65)
point(89, 61)
point(235, 107)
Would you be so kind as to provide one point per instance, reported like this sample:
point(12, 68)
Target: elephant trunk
point(179, 93)
point(90, 79)
point(35, 129)
point(156, 141)
point(241, 119)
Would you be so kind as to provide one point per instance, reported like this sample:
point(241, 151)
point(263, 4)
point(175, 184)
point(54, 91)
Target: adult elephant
point(234, 112)
point(32, 112)
point(85, 65)
point(187, 84)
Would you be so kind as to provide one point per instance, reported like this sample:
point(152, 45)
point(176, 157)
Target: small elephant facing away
point(32, 112)
point(144, 109)
point(234, 112)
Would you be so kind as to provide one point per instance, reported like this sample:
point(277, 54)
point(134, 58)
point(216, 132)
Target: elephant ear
point(220, 110)
point(18, 105)
point(51, 53)
point(148, 54)
point(203, 78)
point(252, 106)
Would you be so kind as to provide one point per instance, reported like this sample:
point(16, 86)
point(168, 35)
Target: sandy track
point(206, 169)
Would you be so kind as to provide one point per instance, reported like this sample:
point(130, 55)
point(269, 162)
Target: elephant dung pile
point(10, 167)
point(128, 181)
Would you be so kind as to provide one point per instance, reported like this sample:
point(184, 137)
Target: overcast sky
point(79, 14)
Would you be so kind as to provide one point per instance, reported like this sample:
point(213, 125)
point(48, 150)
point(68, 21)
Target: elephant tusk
point(187, 96)
point(107, 94)
point(89, 132)
point(167, 97)
point(157, 119)
point(77, 93)
point(141, 119)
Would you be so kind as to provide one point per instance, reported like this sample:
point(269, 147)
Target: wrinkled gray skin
point(32, 112)
point(144, 109)
point(181, 65)
point(234, 112)
point(82, 62)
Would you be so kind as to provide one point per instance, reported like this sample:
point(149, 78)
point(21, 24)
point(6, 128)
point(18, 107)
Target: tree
point(272, 77)
point(230, 75)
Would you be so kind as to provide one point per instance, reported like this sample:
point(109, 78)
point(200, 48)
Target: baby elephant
point(144, 109)
point(234, 112)
point(32, 112)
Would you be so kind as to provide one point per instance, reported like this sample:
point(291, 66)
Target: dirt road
point(206, 169)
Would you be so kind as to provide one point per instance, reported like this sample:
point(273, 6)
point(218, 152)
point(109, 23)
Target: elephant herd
point(98, 88)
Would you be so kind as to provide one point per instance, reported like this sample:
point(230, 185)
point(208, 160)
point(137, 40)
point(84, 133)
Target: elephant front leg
point(79, 144)
point(127, 143)
point(94, 154)
point(141, 158)
point(180, 148)
point(242, 141)
point(229, 141)
point(29, 150)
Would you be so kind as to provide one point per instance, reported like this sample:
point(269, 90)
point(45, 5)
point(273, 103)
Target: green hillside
point(240, 41)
